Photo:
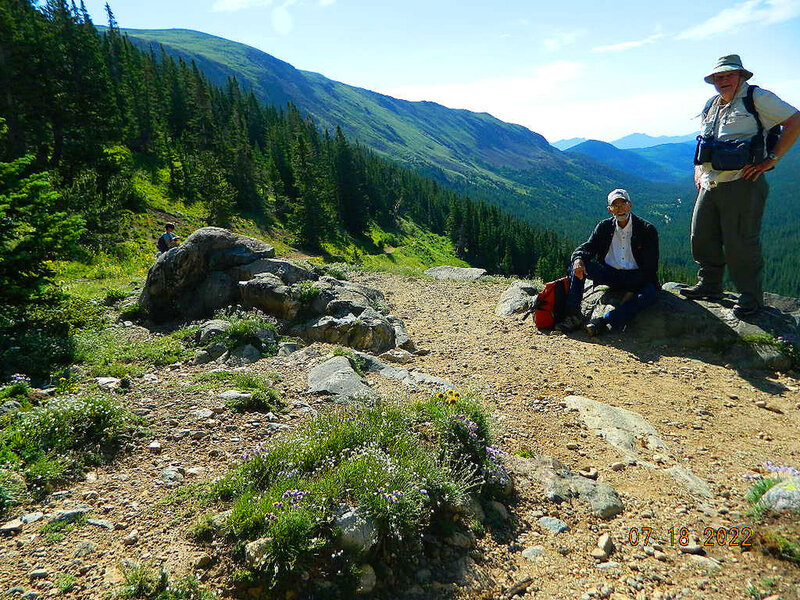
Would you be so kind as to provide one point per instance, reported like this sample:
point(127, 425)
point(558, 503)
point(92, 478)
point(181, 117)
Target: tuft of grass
point(264, 398)
point(65, 582)
point(141, 582)
point(245, 329)
point(406, 467)
point(358, 363)
point(51, 444)
point(305, 292)
point(65, 525)
point(780, 547)
point(117, 353)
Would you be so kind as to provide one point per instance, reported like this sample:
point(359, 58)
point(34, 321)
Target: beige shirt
point(620, 255)
point(732, 121)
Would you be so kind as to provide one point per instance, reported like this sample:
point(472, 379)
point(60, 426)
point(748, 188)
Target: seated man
point(168, 239)
point(622, 253)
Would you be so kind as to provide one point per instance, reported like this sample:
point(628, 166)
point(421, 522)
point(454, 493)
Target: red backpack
point(551, 303)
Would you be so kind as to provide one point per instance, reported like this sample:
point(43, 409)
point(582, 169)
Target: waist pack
point(551, 304)
point(724, 156)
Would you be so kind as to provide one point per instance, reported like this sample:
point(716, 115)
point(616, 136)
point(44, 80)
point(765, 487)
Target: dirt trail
point(705, 412)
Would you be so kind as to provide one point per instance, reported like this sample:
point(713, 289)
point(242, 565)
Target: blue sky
point(589, 68)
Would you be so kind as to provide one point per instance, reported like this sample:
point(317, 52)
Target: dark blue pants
point(616, 279)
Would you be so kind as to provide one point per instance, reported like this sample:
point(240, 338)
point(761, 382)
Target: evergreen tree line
point(82, 107)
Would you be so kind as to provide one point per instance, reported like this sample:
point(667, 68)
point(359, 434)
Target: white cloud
point(282, 21)
point(234, 5)
point(489, 94)
point(745, 14)
point(628, 45)
point(561, 39)
point(325, 2)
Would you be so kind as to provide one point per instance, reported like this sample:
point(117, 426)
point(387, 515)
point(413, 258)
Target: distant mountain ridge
point(568, 143)
point(642, 140)
point(631, 141)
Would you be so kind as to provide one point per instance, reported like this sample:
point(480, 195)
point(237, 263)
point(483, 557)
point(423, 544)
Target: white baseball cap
point(618, 193)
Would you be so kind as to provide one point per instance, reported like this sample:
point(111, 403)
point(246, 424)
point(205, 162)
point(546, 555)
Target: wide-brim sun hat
point(730, 62)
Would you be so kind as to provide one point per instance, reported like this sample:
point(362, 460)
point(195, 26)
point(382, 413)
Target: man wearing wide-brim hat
point(732, 153)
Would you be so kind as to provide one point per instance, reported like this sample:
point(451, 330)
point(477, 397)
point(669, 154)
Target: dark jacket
point(644, 246)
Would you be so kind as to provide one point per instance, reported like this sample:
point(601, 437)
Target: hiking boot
point(745, 310)
point(596, 327)
point(701, 291)
point(571, 323)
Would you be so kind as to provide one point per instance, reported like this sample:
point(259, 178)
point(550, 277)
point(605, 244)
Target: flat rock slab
point(629, 432)
point(455, 273)
point(676, 321)
point(337, 377)
point(619, 427)
point(560, 484)
point(411, 379)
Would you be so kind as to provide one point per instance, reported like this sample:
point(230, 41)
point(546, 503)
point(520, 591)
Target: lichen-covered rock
point(268, 293)
point(173, 282)
point(783, 497)
point(288, 272)
point(517, 298)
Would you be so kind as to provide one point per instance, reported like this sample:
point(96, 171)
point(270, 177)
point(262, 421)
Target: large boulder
point(183, 282)
point(268, 293)
point(756, 343)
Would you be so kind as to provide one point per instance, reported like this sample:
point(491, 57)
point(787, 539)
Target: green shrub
point(780, 547)
point(358, 363)
point(113, 296)
point(305, 292)
point(131, 312)
point(244, 330)
point(406, 466)
point(143, 583)
point(12, 488)
point(264, 398)
point(38, 339)
point(53, 443)
point(65, 582)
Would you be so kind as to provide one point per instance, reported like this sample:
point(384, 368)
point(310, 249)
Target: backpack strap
point(708, 106)
point(750, 105)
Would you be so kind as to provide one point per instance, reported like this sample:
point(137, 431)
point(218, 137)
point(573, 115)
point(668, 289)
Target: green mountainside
point(473, 153)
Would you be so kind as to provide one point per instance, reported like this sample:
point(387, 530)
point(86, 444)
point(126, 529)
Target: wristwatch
point(773, 156)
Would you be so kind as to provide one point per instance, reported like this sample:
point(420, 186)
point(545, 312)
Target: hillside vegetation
point(100, 141)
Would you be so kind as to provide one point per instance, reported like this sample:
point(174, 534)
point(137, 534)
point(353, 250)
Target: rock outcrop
point(761, 342)
point(215, 268)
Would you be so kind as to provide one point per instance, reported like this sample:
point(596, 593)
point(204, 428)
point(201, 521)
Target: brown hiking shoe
point(701, 291)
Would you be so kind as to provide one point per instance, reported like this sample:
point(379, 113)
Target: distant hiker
point(622, 253)
point(168, 239)
point(739, 139)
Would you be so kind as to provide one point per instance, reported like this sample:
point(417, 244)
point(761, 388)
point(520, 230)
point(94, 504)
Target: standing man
point(726, 224)
point(622, 252)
